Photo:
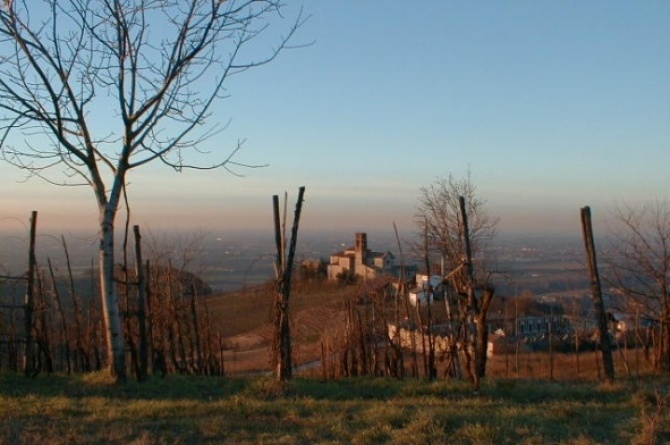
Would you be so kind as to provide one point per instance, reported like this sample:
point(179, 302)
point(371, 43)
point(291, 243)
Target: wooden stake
point(589, 244)
point(29, 311)
point(284, 268)
point(141, 306)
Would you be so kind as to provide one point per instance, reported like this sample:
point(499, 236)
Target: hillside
point(319, 318)
point(244, 318)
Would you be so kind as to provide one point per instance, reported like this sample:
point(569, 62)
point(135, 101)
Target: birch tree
point(94, 89)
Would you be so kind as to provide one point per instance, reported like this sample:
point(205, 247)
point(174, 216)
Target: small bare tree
point(439, 218)
point(457, 227)
point(638, 269)
point(98, 88)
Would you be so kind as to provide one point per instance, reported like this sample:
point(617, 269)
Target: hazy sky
point(551, 105)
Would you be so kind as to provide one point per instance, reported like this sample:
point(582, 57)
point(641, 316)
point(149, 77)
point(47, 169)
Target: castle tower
point(361, 248)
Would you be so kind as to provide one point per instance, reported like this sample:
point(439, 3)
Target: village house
point(424, 290)
point(360, 262)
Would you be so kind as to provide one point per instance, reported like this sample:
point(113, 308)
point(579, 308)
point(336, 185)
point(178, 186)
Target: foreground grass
point(191, 410)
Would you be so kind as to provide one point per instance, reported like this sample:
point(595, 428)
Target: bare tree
point(457, 228)
point(638, 263)
point(439, 218)
point(98, 88)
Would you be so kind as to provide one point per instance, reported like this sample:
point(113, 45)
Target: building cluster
point(358, 262)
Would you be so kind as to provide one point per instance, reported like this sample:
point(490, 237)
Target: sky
point(550, 106)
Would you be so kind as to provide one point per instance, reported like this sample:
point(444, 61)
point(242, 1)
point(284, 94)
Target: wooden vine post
point(29, 309)
point(589, 244)
point(141, 306)
point(283, 270)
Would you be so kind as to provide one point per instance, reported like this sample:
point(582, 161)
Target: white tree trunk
point(110, 298)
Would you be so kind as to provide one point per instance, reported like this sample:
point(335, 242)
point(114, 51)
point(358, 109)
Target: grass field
point(86, 409)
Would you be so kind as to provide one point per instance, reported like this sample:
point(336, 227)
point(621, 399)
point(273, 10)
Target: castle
point(360, 262)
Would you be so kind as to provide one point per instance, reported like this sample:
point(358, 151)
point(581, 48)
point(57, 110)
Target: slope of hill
point(245, 319)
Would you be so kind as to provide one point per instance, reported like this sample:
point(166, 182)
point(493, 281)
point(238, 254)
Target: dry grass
point(586, 366)
point(193, 410)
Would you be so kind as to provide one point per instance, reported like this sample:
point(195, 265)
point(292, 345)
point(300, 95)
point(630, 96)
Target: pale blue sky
point(551, 105)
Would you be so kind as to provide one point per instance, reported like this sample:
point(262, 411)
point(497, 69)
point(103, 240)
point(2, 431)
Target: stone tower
point(361, 247)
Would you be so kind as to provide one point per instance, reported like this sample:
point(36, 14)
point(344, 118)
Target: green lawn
point(201, 410)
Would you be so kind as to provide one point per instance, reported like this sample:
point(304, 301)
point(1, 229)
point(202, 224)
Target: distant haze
point(73, 210)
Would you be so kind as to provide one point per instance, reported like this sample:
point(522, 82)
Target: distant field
point(230, 261)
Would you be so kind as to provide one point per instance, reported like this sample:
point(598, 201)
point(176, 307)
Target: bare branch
point(156, 65)
point(638, 259)
point(438, 217)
